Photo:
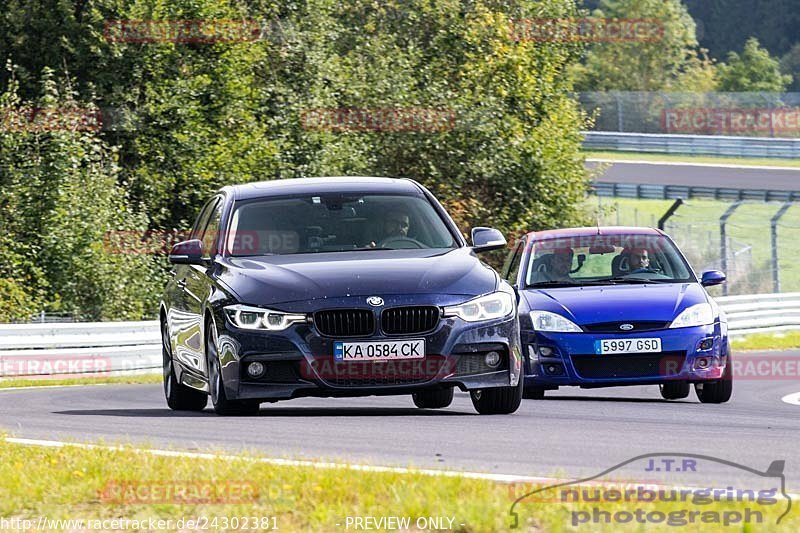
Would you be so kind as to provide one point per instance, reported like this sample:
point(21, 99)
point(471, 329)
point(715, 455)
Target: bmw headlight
point(696, 315)
point(547, 321)
point(246, 317)
point(487, 307)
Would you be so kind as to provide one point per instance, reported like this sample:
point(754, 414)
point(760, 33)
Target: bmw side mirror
point(712, 277)
point(187, 253)
point(486, 239)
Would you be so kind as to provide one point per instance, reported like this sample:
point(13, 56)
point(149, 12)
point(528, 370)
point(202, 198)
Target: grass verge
point(71, 483)
point(6, 383)
point(647, 156)
point(767, 341)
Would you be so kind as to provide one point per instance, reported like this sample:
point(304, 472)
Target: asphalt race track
point(572, 433)
point(699, 175)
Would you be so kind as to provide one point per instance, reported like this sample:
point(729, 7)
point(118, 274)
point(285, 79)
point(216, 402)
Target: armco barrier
point(761, 313)
point(109, 348)
point(96, 348)
point(663, 143)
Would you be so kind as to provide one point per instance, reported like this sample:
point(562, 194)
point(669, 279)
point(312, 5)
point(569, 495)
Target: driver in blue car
point(639, 260)
point(560, 265)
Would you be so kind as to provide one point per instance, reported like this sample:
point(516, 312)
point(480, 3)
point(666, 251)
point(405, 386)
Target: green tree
point(790, 65)
point(61, 201)
point(753, 70)
point(672, 61)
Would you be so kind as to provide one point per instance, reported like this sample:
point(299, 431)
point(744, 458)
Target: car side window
point(511, 268)
point(211, 230)
point(202, 220)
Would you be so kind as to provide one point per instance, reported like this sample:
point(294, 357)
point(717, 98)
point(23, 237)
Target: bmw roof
point(323, 185)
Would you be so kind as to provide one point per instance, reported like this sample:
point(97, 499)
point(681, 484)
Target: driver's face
point(640, 259)
point(397, 225)
point(562, 262)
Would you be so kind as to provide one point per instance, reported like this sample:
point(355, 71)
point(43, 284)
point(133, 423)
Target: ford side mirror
point(712, 277)
point(187, 253)
point(486, 239)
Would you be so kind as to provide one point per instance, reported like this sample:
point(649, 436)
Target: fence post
point(723, 245)
point(773, 230)
point(674, 207)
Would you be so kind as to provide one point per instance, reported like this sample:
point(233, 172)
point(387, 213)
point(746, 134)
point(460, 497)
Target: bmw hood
point(267, 280)
point(612, 303)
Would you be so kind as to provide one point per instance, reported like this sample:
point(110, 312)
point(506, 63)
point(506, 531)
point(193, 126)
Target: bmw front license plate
point(379, 351)
point(606, 346)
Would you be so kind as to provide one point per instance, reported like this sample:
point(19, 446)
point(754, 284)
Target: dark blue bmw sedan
point(336, 287)
point(614, 306)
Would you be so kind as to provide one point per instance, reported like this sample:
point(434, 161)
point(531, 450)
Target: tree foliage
point(673, 61)
point(183, 119)
point(753, 70)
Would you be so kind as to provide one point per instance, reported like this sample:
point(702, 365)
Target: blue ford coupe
point(336, 287)
point(614, 306)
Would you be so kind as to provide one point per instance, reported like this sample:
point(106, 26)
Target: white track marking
point(499, 478)
point(502, 478)
point(34, 387)
point(689, 164)
point(792, 399)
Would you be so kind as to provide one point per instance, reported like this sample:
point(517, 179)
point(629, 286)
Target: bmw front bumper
point(299, 361)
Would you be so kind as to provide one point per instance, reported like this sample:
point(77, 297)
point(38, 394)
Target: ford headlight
point(696, 315)
point(246, 317)
point(547, 321)
point(487, 307)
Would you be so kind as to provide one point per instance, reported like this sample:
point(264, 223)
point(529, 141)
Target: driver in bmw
point(395, 224)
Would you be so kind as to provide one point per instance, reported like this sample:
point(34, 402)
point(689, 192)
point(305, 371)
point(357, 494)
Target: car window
point(211, 230)
point(622, 258)
point(511, 268)
point(336, 223)
point(202, 220)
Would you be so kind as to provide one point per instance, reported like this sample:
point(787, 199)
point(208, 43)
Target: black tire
point(222, 405)
point(716, 391)
point(179, 397)
point(499, 400)
point(433, 399)
point(533, 393)
point(674, 390)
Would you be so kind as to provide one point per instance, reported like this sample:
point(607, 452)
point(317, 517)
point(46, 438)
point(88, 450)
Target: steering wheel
point(394, 240)
point(644, 271)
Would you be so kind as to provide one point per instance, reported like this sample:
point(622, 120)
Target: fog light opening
point(255, 369)
point(706, 344)
point(702, 363)
point(492, 359)
point(545, 351)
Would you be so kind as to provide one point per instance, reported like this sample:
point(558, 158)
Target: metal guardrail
point(664, 143)
point(685, 192)
point(108, 348)
point(96, 348)
point(761, 313)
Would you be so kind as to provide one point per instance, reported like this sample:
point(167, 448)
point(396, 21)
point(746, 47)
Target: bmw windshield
point(336, 223)
point(606, 259)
